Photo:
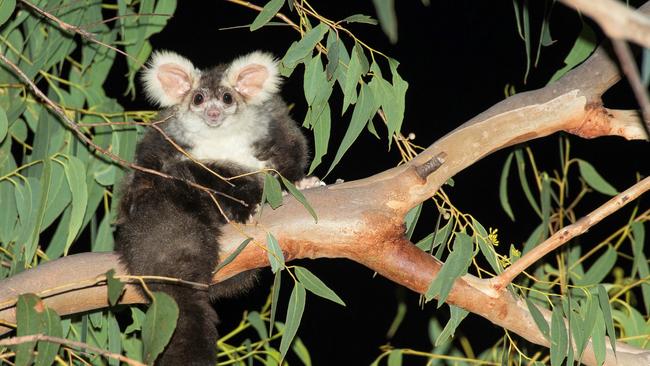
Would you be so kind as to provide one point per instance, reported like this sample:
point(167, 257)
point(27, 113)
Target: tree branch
point(578, 228)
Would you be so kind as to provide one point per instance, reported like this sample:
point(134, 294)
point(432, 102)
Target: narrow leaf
point(321, 128)
point(232, 255)
point(4, 124)
point(559, 338)
point(387, 18)
point(456, 316)
point(455, 266)
point(159, 324)
point(364, 110)
point(299, 50)
point(294, 316)
point(51, 326)
point(295, 192)
point(272, 191)
point(599, 270)
point(360, 18)
point(29, 309)
point(274, 253)
point(595, 180)
point(316, 286)
point(75, 172)
point(6, 9)
point(115, 287)
point(268, 12)
point(603, 300)
point(277, 282)
point(539, 319)
point(503, 188)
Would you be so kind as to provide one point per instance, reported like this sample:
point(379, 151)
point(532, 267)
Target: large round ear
point(168, 78)
point(255, 76)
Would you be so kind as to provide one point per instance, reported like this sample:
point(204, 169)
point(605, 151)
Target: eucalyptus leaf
point(274, 253)
point(159, 324)
point(272, 192)
point(595, 180)
point(455, 266)
point(268, 12)
point(316, 286)
point(387, 18)
point(294, 315)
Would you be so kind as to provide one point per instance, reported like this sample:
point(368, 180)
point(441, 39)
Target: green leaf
point(456, 316)
point(352, 77)
point(398, 319)
point(395, 357)
point(277, 282)
point(268, 12)
point(364, 110)
point(536, 237)
point(640, 260)
point(159, 324)
point(387, 18)
point(29, 310)
point(294, 316)
point(75, 172)
point(360, 18)
point(584, 45)
point(295, 192)
point(455, 266)
point(316, 286)
point(274, 253)
point(521, 167)
point(115, 287)
point(599, 270)
point(6, 9)
point(301, 49)
point(301, 351)
point(272, 191)
point(598, 339)
point(603, 300)
point(395, 105)
point(538, 318)
point(411, 219)
point(257, 323)
point(114, 339)
point(595, 180)
point(334, 45)
point(503, 188)
point(137, 317)
point(232, 255)
point(486, 247)
point(4, 124)
point(321, 128)
point(51, 326)
point(559, 337)
point(104, 242)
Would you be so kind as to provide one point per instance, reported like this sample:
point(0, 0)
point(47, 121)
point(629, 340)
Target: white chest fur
point(231, 141)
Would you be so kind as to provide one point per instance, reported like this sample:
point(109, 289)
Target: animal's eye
point(227, 98)
point(198, 99)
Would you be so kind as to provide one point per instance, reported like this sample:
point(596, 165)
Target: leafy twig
point(66, 342)
point(563, 236)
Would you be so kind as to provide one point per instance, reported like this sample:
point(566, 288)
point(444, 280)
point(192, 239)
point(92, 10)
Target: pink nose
point(213, 113)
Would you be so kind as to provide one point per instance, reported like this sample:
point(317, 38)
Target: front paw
point(309, 182)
